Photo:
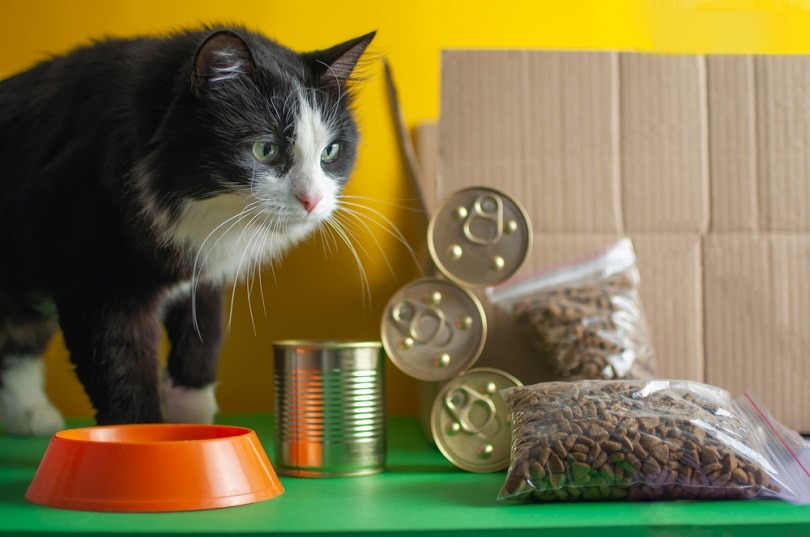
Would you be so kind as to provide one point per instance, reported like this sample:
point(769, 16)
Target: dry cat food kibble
point(585, 319)
point(589, 331)
point(631, 440)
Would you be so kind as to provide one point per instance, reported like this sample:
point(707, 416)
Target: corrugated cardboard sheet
point(704, 161)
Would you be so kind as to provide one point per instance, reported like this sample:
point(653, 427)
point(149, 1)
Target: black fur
point(88, 141)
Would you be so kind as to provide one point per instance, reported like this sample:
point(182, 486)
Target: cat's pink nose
point(310, 201)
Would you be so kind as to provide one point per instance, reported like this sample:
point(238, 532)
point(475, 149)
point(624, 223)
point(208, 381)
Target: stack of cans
point(434, 329)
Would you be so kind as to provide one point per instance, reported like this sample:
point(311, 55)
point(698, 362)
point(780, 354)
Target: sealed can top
point(471, 423)
point(479, 237)
point(432, 329)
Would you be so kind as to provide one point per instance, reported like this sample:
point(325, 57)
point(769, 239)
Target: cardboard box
point(702, 160)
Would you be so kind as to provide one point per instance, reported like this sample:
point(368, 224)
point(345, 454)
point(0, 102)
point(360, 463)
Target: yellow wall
point(318, 294)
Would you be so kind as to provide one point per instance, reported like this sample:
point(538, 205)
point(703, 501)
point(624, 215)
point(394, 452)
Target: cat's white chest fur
point(228, 236)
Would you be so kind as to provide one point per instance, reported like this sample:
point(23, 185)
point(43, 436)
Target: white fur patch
point(229, 233)
point(188, 405)
point(24, 407)
point(181, 291)
point(307, 176)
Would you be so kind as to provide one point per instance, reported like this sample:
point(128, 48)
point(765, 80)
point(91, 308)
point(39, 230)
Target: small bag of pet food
point(648, 440)
point(585, 318)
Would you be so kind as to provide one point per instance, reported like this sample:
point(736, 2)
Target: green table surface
point(419, 493)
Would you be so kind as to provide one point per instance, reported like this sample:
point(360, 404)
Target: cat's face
point(268, 143)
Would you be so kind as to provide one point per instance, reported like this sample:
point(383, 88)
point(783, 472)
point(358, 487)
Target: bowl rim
point(85, 434)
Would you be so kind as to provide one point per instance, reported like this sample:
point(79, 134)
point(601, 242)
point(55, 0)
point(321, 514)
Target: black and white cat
point(137, 178)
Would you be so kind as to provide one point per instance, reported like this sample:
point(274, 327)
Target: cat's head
point(259, 147)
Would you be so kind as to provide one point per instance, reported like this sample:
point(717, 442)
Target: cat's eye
point(266, 152)
point(330, 152)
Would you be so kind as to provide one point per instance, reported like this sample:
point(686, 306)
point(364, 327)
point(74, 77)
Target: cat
point(137, 178)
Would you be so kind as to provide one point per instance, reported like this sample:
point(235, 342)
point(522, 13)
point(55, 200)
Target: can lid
point(471, 422)
point(479, 237)
point(432, 329)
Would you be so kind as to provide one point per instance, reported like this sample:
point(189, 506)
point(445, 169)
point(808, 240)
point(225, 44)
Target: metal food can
point(479, 237)
point(471, 422)
point(432, 329)
point(329, 408)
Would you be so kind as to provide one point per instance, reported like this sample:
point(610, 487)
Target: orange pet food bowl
point(152, 468)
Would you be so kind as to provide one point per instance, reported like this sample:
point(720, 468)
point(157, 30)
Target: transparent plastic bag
point(648, 440)
point(585, 318)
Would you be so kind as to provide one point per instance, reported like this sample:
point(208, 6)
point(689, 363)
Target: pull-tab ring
point(461, 410)
point(414, 315)
point(489, 209)
point(442, 332)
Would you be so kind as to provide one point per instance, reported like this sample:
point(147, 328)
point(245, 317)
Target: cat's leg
point(194, 329)
point(24, 335)
point(113, 345)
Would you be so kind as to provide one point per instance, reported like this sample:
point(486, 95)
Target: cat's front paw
point(188, 405)
point(24, 406)
point(43, 420)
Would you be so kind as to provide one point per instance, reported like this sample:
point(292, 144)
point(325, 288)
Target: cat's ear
point(222, 56)
point(334, 66)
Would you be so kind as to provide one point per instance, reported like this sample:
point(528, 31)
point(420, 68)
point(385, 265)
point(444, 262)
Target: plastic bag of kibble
point(648, 440)
point(585, 318)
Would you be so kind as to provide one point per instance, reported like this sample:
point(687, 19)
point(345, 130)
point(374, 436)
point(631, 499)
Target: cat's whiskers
point(257, 237)
point(230, 222)
point(259, 269)
point(334, 226)
point(260, 236)
point(347, 223)
point(354, 226)
point(366, 213)
point(205, 251)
